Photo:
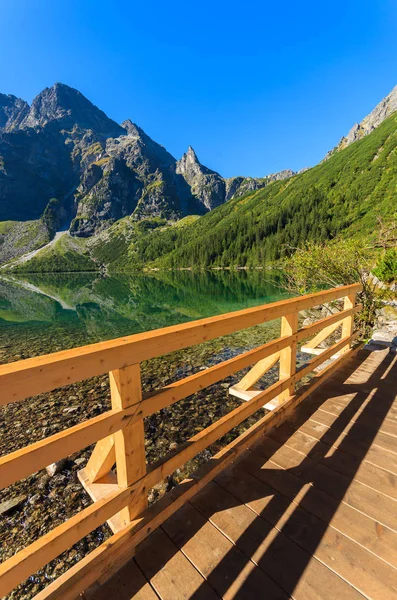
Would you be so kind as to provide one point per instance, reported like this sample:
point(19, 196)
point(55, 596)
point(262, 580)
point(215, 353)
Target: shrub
point(341, 262)
point(386, 268)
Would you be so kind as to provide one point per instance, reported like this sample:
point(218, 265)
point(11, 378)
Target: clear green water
point(43, 313)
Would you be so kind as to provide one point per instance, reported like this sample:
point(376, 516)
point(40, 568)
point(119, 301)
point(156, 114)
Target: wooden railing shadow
point(294, 566)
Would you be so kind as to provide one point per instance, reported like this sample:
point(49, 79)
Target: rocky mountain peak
point(384, 109)
point(191, 154)
point(189, 165)
point(131, 128)
point(207, 186)
point(67, 107)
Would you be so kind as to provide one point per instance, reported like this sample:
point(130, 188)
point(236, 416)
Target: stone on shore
point(56, 467)
point(10, 505)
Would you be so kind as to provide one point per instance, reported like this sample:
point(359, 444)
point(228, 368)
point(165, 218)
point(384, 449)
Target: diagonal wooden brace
point(243, 389)
point(311, 346)
point(258, 371)
point(102, 459)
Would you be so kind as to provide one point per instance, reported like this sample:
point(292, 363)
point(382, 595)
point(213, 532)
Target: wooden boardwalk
point(309, 512)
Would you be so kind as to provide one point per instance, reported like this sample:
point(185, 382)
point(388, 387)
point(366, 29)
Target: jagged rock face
point(285, 174)
point(31, 173)
point(207, 186)
point(45, 148)
point(139, 151)
point(384, 109)
point(12, 111)
point(107, 195)
point(238, 186)
point(150, 181)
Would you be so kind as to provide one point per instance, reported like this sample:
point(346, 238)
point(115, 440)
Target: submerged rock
point(12, 504)
point(56, 467)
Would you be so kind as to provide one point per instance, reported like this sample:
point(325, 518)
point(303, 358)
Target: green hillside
point(343, 196)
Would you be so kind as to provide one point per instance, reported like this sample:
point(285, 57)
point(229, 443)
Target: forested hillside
point(344, 195)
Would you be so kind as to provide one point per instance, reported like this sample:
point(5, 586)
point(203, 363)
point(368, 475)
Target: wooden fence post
point(125, 387)
point(289, 326)
point(348, 323)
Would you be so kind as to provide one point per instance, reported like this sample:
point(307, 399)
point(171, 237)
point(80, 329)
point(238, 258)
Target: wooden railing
point(119, 432)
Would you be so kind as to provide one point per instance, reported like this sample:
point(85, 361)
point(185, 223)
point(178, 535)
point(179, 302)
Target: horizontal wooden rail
point(32, 376)
point(118, 428)
point(21, 463)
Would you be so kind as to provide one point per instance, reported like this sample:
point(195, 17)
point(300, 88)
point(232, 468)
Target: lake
point(44, 313)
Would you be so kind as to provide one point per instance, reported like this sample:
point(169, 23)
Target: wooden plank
point(99, 490)
point(121, 546)
point(102, 459)
point(347, 464)
point(367, 573)
point(227, 570)
point(356, 431)
point(289, 326)
point(268, 490)
point(170, 573)
point(276, 554)
point(40, 374)
point(368, 412)
point(128, 583)
point(364, 416)
point(126, 391)
point(376, 505)
point(375, 455)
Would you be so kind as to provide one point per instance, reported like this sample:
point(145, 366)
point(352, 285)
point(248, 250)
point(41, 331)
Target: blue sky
point(253, 86)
